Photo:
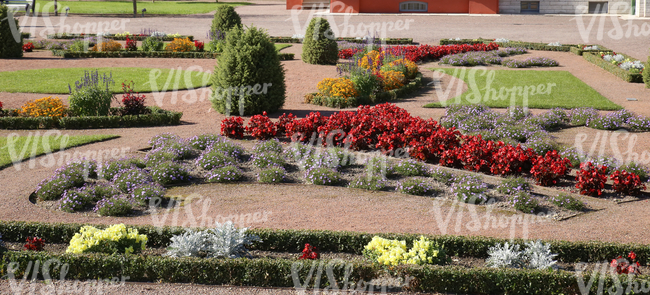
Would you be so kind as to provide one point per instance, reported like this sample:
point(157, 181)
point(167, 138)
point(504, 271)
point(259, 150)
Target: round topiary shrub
point(248, 78)
point(319, 46)
point(225, 18)
point(9, 46)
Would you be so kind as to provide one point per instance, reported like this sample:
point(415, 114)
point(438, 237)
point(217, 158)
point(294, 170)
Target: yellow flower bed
point(115, 239)
point(393, 252)
point(180, 45)
point(337, 87)
point(393, 79)
point(110, 45)
point(44, 107)
point(411, 69)
point(372, 60)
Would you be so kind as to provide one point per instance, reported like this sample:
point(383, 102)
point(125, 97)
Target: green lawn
point(281, 46)
point(126, 7)
point(55, 81)
point(566, 91)
point(24, 147)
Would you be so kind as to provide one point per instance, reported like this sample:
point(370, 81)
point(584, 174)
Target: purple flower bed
point(469, 189)
point(414, 186)
point(530, 62)
point(224, 174)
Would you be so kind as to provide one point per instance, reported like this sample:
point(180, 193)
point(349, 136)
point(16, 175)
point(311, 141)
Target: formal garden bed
point(359, 40)
point(273, 258)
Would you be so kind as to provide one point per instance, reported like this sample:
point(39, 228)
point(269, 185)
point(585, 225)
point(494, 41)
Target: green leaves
point(319, 45)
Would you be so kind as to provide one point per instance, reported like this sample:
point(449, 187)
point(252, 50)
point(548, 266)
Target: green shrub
point(319, 46)
point(523, 202)
point(512, 185)
point(115, 206)
point(144, 193)
point(214, 159)
point(53, 188)
point(153, 44)
point(110, 168)
point(272, 175)
point(100, 191)
point(365, 82)
point(323, 176)
point(127, 180)
point(225, 18)
point(265, 146)
point(91, 95)
point(380, 167)
point(248, 78)
point(79, 45)
point(157, 157)
point(224, 174)
point(440, 175)
point(646, 74)
point(369, 183)
point(411, 168)
point(413, 186)
point(563, 200)
point(9, 46)
point(170, 173)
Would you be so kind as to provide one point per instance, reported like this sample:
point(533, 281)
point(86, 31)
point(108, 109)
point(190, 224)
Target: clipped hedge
point(331, 274)
point(527, 45)
point(594, 58)
point(646, 74)
point(112, 37)
point(157, 117)
point(389, 41)
point(150, 54)
point(337, 241)
point(579, 51)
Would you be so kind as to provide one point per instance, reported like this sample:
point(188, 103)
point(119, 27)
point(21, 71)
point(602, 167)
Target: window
point(529, 6)
point(413, 6)
point(598, 7)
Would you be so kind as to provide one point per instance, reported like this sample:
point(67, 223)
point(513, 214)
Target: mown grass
point(126, 7)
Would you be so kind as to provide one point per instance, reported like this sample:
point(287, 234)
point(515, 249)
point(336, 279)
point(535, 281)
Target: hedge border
point(614, 70)
point(158, 117)
point(579, 51)
point(337, 241)
point(388, 95)
point(388, 41)
point(527, 45)
point(266, 272)
point(149, 54)
point(112, 37)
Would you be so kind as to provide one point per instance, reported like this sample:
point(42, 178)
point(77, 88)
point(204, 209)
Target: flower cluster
point(523, 202)
point(322, 176)
point(423, 52)
point(261, 127)
point(34, 244)
point(373, 183)
point(272, 175)
point(45, 107)
point(115, 239)
point(28, 47)
point(549, 168)
point(114, 206)
point(180, 45)
point(568, 202)
point(133, 102)
point(131, 45)
point(224, 174)
point(627, 183)
point(469, 189)
point(310, 252)
point(110, 45)
point(337, 87)
point(199, 45)
point(392, 79)
point(634, 66)
point(414, 187)
point(530, 62)
point(470, 59)
point(170, 173)
point(623, 266)
point(232, 127)
point(393, 252)
point(591, 179)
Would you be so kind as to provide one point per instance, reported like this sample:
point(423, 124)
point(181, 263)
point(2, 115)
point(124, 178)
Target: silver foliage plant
point(224, 240)
point(537, 255)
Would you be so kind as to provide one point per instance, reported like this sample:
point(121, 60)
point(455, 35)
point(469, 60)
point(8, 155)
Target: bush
point(133, 102)
point(110, 45)
point(232, 127)
point(224, 174)
point(380, 167)
point(581, 116)
point(510, 159)
point(222, 241)
point(44, 107)
point(414, 186)
point(91, 95)
point(337, 87)
point(565, 201)
point(131, 44)
point(115, 239)
point(272, 146)
point(145, 192)
point(9, 47)
point(537, 255)
point(469, 189)
point(393, 252)
point(52, 189)
point(203, 141)
point(441, 175)
point(111, 168)
point(214, 159)
point(228, 148)
point(627, 183)
point(180, 45)
point(73, 200)
point(153, 44)
point(323, 176)
point(127, 180)
point(170, 173)
point(513, 185)
point(272, 175)
point(225, 18)
point(591, 179)
point(523, 202)
point(159, 156)
point(268, 159)
point(115, 206)
point(646, 74)
point(411, 168)
point(100, 190)
point(248, 72)
point(369, 183)
point(319, 45)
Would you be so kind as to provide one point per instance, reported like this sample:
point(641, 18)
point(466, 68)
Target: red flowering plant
point(131, 45)
point(198, 45)
point(549, 168)
point(233, 127)
point(304, 129)
point(428, 140)
point(132, 101)
point(261, 127)
point(475, 154)
point(591, 179)
point(28, 47)
point(627, 183)
point(283, 121)
point(310, 252)
point(509, 159)
point(623, 266)
point(2, 112)
point(34, 244)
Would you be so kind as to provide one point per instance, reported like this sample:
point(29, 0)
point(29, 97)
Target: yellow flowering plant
point(180, 45)
point(372, 60)
point(407, 67)
point(44, 107)
point(110, 45)
point(337, 87)
point(393, 252)
point(115, 239)
point(392, 79)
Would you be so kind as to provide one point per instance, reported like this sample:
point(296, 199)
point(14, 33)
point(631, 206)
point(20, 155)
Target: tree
point(225, 18)
point(135, 8)
point(11, 41)
point(319, 45)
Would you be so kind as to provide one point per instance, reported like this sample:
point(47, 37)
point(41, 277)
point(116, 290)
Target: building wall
point(564, 6)
point(434, 6)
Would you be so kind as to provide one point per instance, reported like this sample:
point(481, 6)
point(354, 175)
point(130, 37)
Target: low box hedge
point(112, 37)
point(338, 241)
point(595, 58)
point(321, 274)
point(157, 117)
point(527, 45)
point(150, 54)
point(461, 41)
point(389, 41)
point(579, 51)
point(646, 74)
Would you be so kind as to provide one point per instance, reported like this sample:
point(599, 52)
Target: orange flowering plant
point(337, 87)
point(44, 107)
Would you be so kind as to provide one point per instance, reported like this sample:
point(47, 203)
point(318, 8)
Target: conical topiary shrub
point(319, 45)
point(248, 78)
point(225, 18)
point(11, 41)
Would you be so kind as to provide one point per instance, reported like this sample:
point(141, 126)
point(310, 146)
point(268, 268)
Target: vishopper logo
point(486, 93)
point(34, 142)
point(602, 272)
point(35, 270)
point(202, 217)
point(345, 29)
point(173, 84)
point(610, 143)
point(628, 29)
point(336, 269)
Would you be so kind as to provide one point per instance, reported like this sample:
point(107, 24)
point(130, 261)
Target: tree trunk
point(135, 9)
point(56, 11)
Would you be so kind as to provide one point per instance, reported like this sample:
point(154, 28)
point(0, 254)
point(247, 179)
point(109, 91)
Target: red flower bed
point(283, 121)
point(424, 52)
point(627, 183)
point(232, 127)
point(475, 154)
point(509, 159)
point(261, 127)
point(549, 168)
point(591, 179)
